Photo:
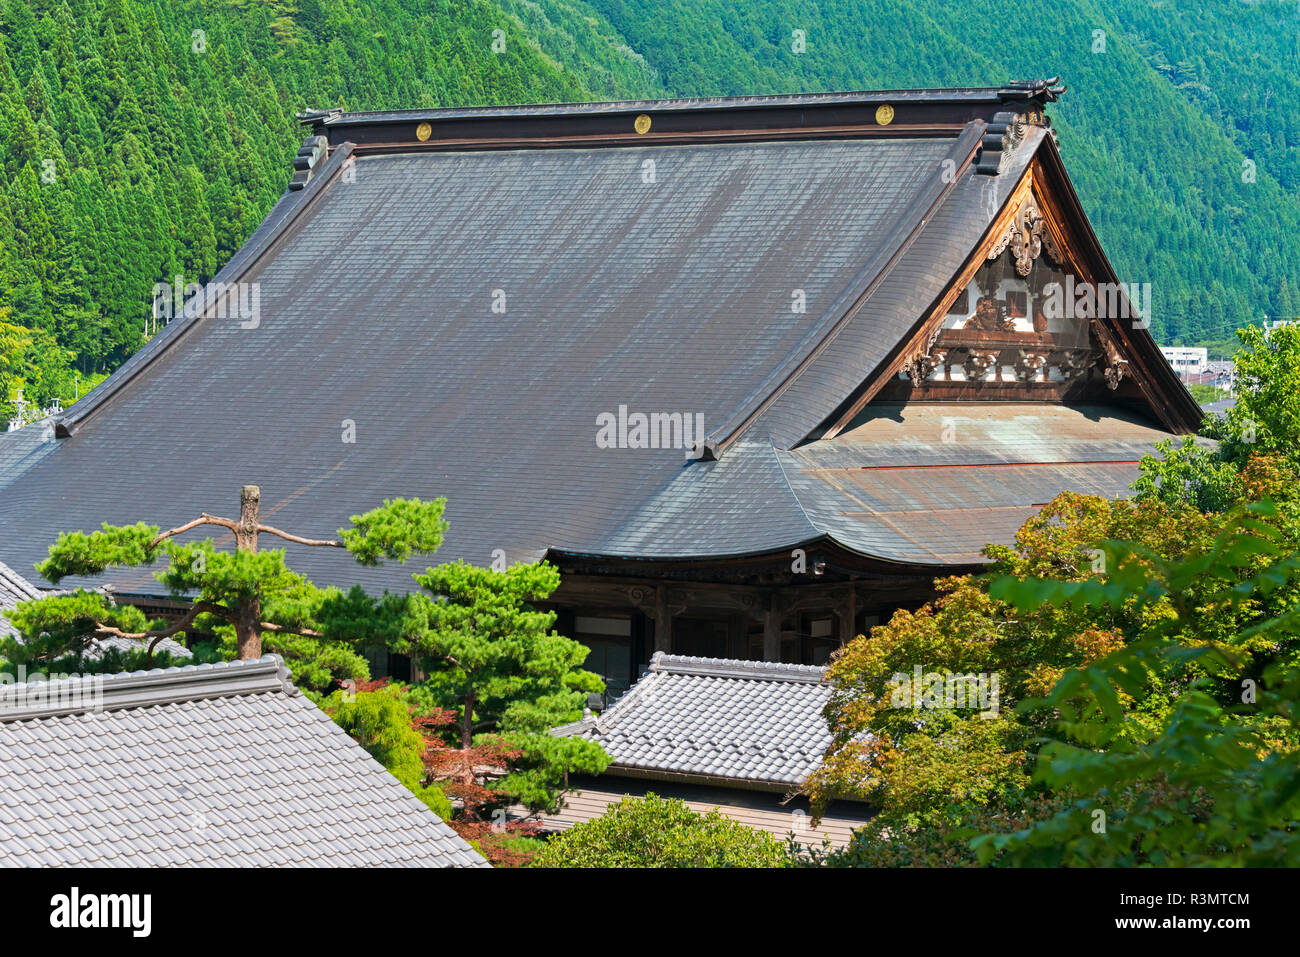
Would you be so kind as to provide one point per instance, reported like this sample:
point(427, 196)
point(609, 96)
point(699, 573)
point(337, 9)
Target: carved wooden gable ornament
point(1026, 326)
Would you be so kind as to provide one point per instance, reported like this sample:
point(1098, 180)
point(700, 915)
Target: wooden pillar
point(772, 628)
point(737, 646)
point(248, 622)
point(663, 621)
point(848, 617)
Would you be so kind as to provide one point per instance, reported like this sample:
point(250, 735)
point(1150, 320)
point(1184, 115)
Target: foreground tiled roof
point(14, 589)
point(225, 765)
point(746, 723)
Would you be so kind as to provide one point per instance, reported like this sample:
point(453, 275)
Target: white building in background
point(1186, 360)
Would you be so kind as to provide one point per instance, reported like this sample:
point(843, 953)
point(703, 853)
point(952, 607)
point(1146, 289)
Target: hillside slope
point(140, 141)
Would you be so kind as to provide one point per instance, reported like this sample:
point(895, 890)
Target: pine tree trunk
point(248, 631)
point(467, 722)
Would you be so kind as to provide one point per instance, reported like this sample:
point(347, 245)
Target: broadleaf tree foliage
point(1149, 660)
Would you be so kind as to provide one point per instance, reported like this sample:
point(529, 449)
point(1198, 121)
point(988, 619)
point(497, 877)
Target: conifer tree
point(249, 590)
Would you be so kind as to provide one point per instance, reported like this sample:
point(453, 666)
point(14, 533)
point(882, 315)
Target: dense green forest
point(145, 139)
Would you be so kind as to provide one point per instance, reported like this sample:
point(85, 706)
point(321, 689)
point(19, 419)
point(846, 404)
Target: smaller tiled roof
point(14, 589)
point(99, 646)
point(751, 724)
point(206, 765)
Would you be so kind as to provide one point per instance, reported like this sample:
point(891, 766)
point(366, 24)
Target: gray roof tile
point(874, 488)
point(14, 589)
point(176, 769)
point(746, 722)
point(667, 297)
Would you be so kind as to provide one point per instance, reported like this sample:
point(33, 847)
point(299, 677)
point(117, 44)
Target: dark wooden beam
point(848, 614)
point(663, 621)
point(772, 628)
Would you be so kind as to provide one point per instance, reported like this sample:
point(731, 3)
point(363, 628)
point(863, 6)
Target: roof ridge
point(1045, 89)
point(640, 689)
point(17, 582)
point(736, 668)
point(930, 194)
point(94, 693)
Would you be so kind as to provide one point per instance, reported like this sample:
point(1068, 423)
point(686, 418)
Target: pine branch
point(289, 630)
point(157, 635)
point(203, 519)
point(272, 530)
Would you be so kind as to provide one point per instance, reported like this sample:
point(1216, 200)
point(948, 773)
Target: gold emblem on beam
point(642, 123)
point(884, 114)
point(423, 132)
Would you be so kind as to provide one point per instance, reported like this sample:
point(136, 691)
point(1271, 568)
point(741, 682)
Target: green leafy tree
point(943, 775)
point(1218, 782)
point(882, 843)
point(379, 719)
point(1188, 472)
point(1265, 419)
point(662, 832)
point(1262, 426)
point(924, 764)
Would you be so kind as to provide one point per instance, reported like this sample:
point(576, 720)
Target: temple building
point(752, 372)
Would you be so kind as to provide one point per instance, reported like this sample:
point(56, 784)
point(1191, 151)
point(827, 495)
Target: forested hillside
point(144, 139)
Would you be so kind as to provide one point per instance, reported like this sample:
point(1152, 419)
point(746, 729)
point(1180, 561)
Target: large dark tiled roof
point(468, 312)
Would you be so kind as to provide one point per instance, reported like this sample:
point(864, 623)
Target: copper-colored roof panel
point(935, 483)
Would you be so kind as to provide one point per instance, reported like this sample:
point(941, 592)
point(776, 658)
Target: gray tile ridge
point(735, 668)
point(11, 581)
point(779, 454)
point(975, 94)
point(643, 688)
point(138, 689)
point(574, 727)
point(929, 195)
